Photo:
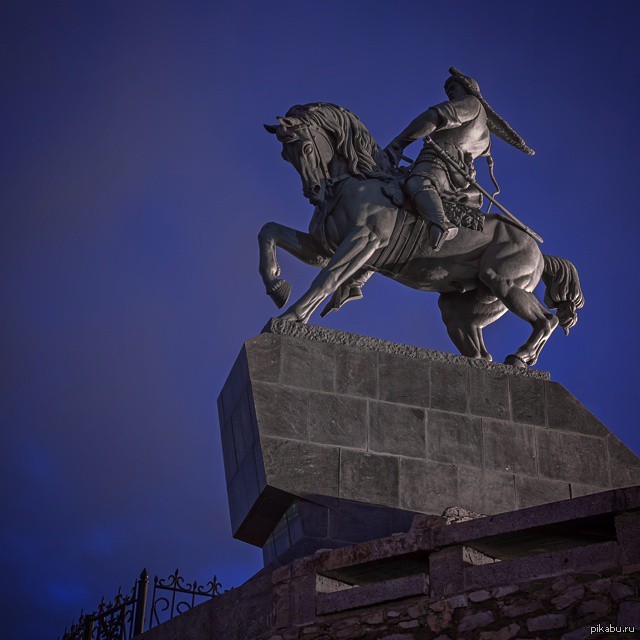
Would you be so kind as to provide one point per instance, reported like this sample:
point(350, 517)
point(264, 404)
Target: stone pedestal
point(328, 437)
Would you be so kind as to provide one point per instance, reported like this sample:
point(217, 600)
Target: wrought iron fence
point(125, 616)
point(183, 596)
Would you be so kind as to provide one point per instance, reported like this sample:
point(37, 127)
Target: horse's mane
point(353, 140)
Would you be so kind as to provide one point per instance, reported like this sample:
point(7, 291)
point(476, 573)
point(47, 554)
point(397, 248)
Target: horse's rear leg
point(526, 306)
point(352, 254)
point(465, 318)
point(297, 243)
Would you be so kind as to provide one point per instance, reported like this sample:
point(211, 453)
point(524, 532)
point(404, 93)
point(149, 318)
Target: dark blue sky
point(135, 177)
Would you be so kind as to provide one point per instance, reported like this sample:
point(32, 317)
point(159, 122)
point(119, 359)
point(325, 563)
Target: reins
point(330, 180)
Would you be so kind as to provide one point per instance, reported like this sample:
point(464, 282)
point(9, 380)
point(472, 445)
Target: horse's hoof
point(515, 361)
point(280, 292)
point(288, 316)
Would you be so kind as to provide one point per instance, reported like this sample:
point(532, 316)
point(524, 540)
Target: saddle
point(409, 232)
point(458, 213)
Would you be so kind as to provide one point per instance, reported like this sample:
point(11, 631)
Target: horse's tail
point(563, 290)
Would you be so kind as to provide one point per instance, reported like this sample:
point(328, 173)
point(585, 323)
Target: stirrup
point(341, 297)
point(446, 234)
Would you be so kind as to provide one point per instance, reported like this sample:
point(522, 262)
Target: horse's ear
point(271, 128)
point(287, 122)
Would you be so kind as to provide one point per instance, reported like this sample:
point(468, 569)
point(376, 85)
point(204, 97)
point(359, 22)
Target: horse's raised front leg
point(352, 254)
point(297, 243)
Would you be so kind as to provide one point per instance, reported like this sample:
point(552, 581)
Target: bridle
point(329, 180)
point(324, 206)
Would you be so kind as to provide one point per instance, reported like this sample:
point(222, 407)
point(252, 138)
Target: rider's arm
point(451, 114)
point(445, 115)
point(424, 125)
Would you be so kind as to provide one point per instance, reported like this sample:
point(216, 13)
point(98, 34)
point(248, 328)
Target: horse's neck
point(338, 167)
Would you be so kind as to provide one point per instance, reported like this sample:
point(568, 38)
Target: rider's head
point(460, 85)
point(454, 89)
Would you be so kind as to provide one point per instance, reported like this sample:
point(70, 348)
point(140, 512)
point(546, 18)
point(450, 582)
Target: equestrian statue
point(421, 225)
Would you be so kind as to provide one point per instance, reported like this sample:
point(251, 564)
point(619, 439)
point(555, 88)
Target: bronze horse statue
point(360, 227)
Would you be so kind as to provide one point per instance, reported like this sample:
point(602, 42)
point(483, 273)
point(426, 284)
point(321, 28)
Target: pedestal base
point(309, 412)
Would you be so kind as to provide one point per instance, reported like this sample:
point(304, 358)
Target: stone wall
point(558, 570)
point(572, 607)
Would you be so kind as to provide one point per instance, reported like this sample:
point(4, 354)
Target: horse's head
point(309, 150)
point(324, 141)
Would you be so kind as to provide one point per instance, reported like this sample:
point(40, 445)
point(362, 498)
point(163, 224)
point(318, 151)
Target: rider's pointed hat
point(496, 124)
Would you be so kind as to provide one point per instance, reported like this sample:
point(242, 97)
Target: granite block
point(310, 365)
point(366, 596)
point(301, 468)
point(269, 551)
point(489, 394)
point(509, 447)
point(320, 522)
point(484, 491)
point(226, 403)
point(403, 380)
point(625, 465)
point(249, 475)
point(313, 515)
point(566, 412)
point(244, 489)
point(446, 572)
point(449, 387)
point(236, 383)
point(338, 420)
point(355, 522)
point(628, 536)
point(238, 502)
point(309, 411)
point(369, 477)
point(281, 537)
point(527, 400)
point(228, 454)
point(281, 411)
point(259, 462)
point(578, 490)
point(242, 430)
point(328, 336)
point(397, 429)
point(427, 486)
point(263, 357)
point(531, 492)
point(572, 457)
point(356, 372)
point(222, 418)
point(452, 437)
point(294, 522)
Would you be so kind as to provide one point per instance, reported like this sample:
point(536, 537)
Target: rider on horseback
point(461, 128)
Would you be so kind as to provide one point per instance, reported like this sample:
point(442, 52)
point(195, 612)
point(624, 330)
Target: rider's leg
point(356, 284)
point(429, 205)
point(348, 291)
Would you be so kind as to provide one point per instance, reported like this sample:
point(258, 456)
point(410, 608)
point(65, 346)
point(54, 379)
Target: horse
point(361, 226)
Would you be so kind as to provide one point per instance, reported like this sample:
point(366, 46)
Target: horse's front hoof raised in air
point(280, 292)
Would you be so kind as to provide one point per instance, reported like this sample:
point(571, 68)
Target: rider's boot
point(348, 291)
point(429, 206)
